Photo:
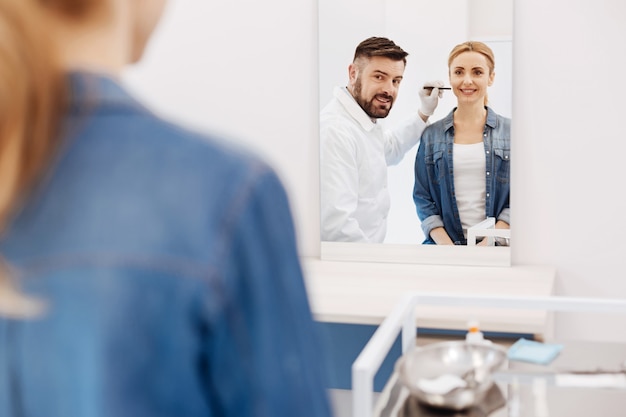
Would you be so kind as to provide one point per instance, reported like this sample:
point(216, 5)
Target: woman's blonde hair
point(32, 99)
point(474, 46)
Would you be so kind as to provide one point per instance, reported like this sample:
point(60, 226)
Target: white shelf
point(401, 321)
point(366, 292)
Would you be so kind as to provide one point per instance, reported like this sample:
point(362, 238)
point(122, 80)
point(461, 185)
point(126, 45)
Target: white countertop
point(366, 292)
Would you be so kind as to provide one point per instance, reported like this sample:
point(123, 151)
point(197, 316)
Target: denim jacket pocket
point(502, 163)
point(434, 165)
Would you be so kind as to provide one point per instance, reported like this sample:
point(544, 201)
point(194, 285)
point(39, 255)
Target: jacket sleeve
point(505, 215)
point(427, 210)
point(263, 356)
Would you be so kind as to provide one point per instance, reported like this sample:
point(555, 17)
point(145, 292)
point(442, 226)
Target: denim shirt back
point(168, 264)
point(433, 192)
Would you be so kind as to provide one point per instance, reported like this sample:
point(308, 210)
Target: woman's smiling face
point(470, 76)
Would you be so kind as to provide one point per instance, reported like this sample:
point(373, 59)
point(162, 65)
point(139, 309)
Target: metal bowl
point(452, 375)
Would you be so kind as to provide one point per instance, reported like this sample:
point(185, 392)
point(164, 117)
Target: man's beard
point(373, 110)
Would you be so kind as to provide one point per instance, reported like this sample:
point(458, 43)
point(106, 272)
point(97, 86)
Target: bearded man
point(356, 150)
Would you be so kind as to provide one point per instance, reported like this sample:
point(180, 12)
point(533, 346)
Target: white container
point(474, 335)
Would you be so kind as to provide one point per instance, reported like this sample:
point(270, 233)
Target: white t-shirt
point(354, 154)
point(470, 186)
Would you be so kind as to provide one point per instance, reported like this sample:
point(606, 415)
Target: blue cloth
point(433, 192)
point(169, 267)
point(534, 352)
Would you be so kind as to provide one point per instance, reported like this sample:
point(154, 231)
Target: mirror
point(427, 30)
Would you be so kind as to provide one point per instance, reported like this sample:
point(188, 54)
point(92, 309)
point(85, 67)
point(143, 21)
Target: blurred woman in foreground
point(146, 270)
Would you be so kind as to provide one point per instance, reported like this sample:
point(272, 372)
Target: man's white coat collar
point(352, 107)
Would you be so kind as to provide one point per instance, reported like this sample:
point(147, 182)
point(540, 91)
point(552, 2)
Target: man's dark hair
point(377, 46)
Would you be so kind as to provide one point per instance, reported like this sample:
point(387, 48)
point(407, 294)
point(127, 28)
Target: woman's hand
point(440, 236)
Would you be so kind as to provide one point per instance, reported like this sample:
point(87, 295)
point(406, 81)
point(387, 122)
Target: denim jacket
point(169, 269)
point(433, 192)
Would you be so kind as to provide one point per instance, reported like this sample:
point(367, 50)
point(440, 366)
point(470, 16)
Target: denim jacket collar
point(88, 89)
point(492, 119)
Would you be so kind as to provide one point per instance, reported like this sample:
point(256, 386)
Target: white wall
point(249, 68)
point(569, 148)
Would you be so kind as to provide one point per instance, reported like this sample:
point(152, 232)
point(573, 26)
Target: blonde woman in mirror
point(462, 172)
point(164, 260)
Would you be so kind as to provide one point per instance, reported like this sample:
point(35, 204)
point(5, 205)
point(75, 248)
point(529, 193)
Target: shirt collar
point(352, 107)
point(491, 121)
point(91, 89)
point(491, 118)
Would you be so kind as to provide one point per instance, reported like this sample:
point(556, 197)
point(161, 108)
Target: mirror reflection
point(385, 94)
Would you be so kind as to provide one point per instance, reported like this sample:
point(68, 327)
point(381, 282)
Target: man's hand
point(429, 97)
